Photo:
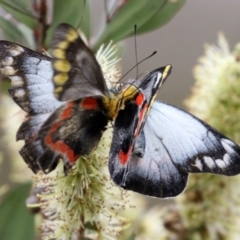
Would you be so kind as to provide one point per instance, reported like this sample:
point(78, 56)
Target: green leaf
point(16, 222)
point(20, 10)
point(28, 35)
point(74, 12)
point(162, 16)
point(145, 14)
point(131, 13)
point(10, 31)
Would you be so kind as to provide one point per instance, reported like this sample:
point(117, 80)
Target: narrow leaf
point(16, 222)
point(162, 16)
point(20, 10)
point(131, 13)
point(10, 31)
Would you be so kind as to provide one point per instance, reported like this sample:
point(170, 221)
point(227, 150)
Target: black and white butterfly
point(154, 146)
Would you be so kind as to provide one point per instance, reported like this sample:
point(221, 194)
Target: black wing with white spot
point(172, 144)
point(32, 89)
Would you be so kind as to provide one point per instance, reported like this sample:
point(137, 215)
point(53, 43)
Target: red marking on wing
point(139, 99)
point(54, 127)
point(143, 112)
point(67, 112)
point(140, 120)
point(89, 103)
point(124, 156)
point(59, 146)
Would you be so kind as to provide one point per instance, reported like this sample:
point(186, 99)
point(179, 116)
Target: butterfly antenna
point(137, 65)
point(135, 42)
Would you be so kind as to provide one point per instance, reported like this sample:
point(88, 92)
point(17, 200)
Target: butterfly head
point(116, 100)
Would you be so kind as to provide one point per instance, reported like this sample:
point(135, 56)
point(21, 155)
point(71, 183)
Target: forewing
point(172, 144)
point(77, 73)
point(32, 89)
point(71, 131)
point(31, 78)
point(130, 121)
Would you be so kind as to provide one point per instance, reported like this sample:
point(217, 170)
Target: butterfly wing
point(72, 130)
point(130, 121)
point(172, 144)
point(77, 73)
point(32, 89)
point(203, 148)
point(73, 73)
point(153, 156)
point(77, 78)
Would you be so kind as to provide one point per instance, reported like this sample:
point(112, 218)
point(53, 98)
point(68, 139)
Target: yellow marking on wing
point(71, 35)
point(58, 90)
point(60, 78)
point(63, 45)
point(7, 61)
point(164, 75)
point(62, 65)
point(166, 71)
point(8, 71)
point(151, 103)
point(59, 53)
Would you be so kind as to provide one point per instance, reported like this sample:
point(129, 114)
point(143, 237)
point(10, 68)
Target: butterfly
point(68, 104)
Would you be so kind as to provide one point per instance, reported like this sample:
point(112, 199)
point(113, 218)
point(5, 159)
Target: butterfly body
point(154, 145)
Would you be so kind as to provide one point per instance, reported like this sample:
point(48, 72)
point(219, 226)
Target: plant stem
point(82, 229)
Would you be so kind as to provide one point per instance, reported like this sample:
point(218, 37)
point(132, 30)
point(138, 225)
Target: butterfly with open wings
point(154, 145)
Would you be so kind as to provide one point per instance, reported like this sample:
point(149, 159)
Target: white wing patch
point(209, 162)
point(17, 81)
point(31, 77)
point(221, 164)
point(227, 144)
point(198, 164)
point(7, 61)
point(191, 144)
point(7, 71)
point(159, 75)
point(15, 50)
point(20, 93)
point(227, 159)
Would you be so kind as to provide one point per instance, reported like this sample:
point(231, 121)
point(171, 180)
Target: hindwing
point(71, 131)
